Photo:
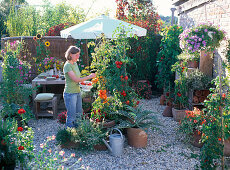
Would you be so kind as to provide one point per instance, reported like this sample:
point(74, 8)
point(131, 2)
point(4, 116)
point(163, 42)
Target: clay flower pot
point(178, 114)
point(195, 139)
point(168, 112)
point(162, 99)
point(137, 137)
point(193, 64)
point(100, 147)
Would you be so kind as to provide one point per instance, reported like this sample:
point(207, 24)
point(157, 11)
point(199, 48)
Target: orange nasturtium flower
point(102, 94)
point(95, 80)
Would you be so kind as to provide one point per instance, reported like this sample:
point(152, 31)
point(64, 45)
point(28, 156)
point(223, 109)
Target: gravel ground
point(166, 147)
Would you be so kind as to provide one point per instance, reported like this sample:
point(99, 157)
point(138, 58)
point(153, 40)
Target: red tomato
point(117, 62)
point(118, 66)
point(127, 102)
point(126, 78)
point(120, 63)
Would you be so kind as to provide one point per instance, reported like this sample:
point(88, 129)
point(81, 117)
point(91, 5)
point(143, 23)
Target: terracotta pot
point(70, 145)
point(205, 93)
point(137, 137)
point(100, 147)
point(198, 93)
point(167, 112)
point(162, 100)
point(178, 114)
point(195, 99)
point(195, 139)
point(193, 64)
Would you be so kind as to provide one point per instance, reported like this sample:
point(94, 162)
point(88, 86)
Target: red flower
point(21, 148)
point(219, 139)
point(138, 102)
point(223, 95)
point(120, 63)
point(118, 66)
point(195, 121)
point(117, 62)
point(167, 94)
point(126, 78)
point(21, 111)
point(127, 102)
point(178, 94)
point(20, 129)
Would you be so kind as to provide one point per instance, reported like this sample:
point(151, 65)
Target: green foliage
point(64, 135)
point(196, 80)
point(16, 145)
point(10, 112)
point(189, 57)
point(143, 89)
point(181, 88)
point(167, 55)
point(28, 21)
point(137, 117)
point(15, 75)
point(213, 132)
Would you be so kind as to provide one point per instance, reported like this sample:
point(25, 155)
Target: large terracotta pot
point(137, 137)
point(178, 114)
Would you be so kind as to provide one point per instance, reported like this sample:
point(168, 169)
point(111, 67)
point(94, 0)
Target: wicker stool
point(39, 113)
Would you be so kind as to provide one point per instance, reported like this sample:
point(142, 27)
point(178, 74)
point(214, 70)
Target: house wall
point(193, 12)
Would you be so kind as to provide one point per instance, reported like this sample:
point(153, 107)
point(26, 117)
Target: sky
point(162, 6)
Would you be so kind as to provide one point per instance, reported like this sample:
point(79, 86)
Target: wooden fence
point(57, 47)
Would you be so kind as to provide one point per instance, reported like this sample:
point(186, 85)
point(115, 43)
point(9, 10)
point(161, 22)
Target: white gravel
point(166, 148)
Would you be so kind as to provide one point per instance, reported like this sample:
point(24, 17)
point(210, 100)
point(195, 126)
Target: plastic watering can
point(116, 143)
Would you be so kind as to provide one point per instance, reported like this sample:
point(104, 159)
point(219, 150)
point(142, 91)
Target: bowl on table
point(86, 85)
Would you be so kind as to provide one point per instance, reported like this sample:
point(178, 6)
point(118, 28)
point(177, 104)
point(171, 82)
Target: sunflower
point(38, 36)
point(47, 43)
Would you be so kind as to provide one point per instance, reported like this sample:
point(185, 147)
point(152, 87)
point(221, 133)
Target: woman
point(72, 95)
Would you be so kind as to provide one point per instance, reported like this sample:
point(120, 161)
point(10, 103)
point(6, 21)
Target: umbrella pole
point(87, 54)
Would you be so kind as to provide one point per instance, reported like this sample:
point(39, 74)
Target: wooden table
point(37, 81)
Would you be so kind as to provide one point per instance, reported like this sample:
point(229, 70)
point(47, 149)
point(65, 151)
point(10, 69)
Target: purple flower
point(205, 30)
point(202, 36)
point(196, 30)
point(200, 39)
point(192, 42)
point(203, 42)
point(190, 48)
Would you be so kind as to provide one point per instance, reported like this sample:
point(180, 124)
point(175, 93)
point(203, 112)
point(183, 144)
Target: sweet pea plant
point(167, 56)
point(15, 74)
point(205, 36)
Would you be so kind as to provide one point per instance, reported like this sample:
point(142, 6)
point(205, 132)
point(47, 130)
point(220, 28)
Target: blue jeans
point(73, 103)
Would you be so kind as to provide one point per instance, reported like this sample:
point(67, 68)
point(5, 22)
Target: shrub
point(62, 117)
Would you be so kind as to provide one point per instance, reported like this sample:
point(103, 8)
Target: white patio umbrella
point(103, 24)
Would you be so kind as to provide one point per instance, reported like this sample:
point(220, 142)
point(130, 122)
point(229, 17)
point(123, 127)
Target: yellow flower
point(47, 43)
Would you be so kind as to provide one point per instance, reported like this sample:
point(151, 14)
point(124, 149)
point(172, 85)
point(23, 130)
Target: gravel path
point(166, 148)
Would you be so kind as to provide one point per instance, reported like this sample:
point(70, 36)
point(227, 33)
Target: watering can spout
point(107, 145)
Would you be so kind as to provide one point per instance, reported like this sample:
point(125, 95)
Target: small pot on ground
point(137, 137)
point(70, 145)
point(100, 147)
point(168, 112)
point(162, 99)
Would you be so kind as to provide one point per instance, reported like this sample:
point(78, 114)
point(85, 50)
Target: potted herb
point(192, 60)
point(137, 121)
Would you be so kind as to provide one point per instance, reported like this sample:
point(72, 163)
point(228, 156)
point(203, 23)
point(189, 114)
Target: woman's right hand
point(92, 75)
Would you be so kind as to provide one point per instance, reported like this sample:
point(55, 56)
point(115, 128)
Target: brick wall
point(193, 12)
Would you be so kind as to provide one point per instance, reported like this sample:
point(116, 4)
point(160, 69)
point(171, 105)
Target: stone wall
point(193, 12)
